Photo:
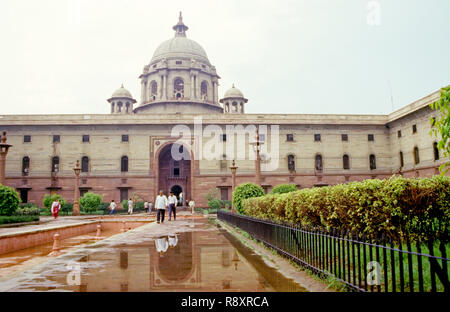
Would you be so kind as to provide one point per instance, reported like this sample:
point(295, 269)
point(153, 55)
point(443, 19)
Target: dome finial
point(180, 28)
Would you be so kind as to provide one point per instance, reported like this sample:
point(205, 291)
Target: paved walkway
point(47, 222)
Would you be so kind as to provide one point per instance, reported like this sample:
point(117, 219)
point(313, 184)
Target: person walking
point(181, 199)
point(160, 205)
point(112, 206)
point(192, 205)
point(150, 208)
point(130, 206)
point(146, 206)
point(172, 201)
point(56, 206)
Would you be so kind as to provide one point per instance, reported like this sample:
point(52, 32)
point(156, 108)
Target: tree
point(90, 202)
point(441, 125)
point(9, 200)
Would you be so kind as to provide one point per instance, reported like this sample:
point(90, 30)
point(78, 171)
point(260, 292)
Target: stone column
point(76, 194)
point(142, 91)
point(214, 92)
point(165, 86)
point(233, 183)
point(192, 87)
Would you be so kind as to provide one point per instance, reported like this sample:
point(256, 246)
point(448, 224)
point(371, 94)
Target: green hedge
point(284, 188)
point(396, 206)
point(17, 219)
point(244, 191)
point(28, 211)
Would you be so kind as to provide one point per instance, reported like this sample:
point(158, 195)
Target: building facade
point(132, 150)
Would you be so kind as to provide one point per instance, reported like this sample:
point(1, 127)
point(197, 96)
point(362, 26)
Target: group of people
point(161, 204)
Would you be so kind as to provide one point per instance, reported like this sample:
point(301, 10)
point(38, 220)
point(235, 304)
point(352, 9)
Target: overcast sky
point(303, 56)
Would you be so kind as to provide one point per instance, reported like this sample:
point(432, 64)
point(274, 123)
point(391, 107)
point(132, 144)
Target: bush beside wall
point(395, 206)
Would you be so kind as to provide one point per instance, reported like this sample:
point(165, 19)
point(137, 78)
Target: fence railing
point(361, 263)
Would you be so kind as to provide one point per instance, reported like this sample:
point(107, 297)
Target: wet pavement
point(182, 255)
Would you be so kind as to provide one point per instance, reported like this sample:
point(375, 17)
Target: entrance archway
point(174, 169)
point(176, 189)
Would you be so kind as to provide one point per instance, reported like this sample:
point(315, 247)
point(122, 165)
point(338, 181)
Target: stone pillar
point(165, 87)
point(192, 87)
point(233, 183)
point(76, 194)
point(214, 92)
point(4, 147)
point(142, 91)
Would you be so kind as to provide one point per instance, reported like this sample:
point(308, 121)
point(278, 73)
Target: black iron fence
point(361, 263)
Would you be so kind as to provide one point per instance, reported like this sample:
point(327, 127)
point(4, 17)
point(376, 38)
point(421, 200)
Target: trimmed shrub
point(28, 211)
point(245, 191)
point(67, 208)
point(214, 203)
point(9, 200)
point(395, 206)
point(284, 188)
point(17, 219)
point(49, 199)
point(225, 204)
point(90, 202)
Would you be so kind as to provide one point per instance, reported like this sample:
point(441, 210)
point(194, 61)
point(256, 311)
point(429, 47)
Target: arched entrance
point(174, 169)
point(176, 189)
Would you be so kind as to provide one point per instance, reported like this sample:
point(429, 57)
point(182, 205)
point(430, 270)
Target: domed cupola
point(121, 101)
point(233, 101)
point(179, 78)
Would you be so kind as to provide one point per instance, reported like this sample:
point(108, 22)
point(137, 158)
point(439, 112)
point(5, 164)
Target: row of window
point(319, 162)
point(56, 161)
point(85, 138)
point(290, 137)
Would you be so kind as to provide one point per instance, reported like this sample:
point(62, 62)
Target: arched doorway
point(174, 169)
point(176, 189)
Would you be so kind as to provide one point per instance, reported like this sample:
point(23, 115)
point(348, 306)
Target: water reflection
point(202, 260)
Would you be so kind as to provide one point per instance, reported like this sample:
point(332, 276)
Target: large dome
point(180, 47)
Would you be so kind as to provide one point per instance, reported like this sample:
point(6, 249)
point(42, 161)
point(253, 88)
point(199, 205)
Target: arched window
point(291, 162)
point(204, 90)
point(178, 88)
point(401, 159)
point(319, 163)
point(25, 165)
point(372, 161)
point(154, 89)
point(436, 151)
point(346, 162)
point(85, 164)
point(416, 155)
point(119, 107)
point(128, 107)
point(55, 164)
point(234, 106)
point(112, 107)
point(124, 164)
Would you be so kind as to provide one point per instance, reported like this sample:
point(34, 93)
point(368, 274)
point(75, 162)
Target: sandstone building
point(129, 151)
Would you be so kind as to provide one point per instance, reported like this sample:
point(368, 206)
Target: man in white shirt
point(130, 206)
point(160, 206)
point(181, 199)
point(172, 201)
point(112, 206)
point(192, 205)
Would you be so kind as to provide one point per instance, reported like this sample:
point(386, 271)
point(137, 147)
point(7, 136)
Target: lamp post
point(233, 183)
point(257, 147)
point(76, 195)
point(4, 147)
